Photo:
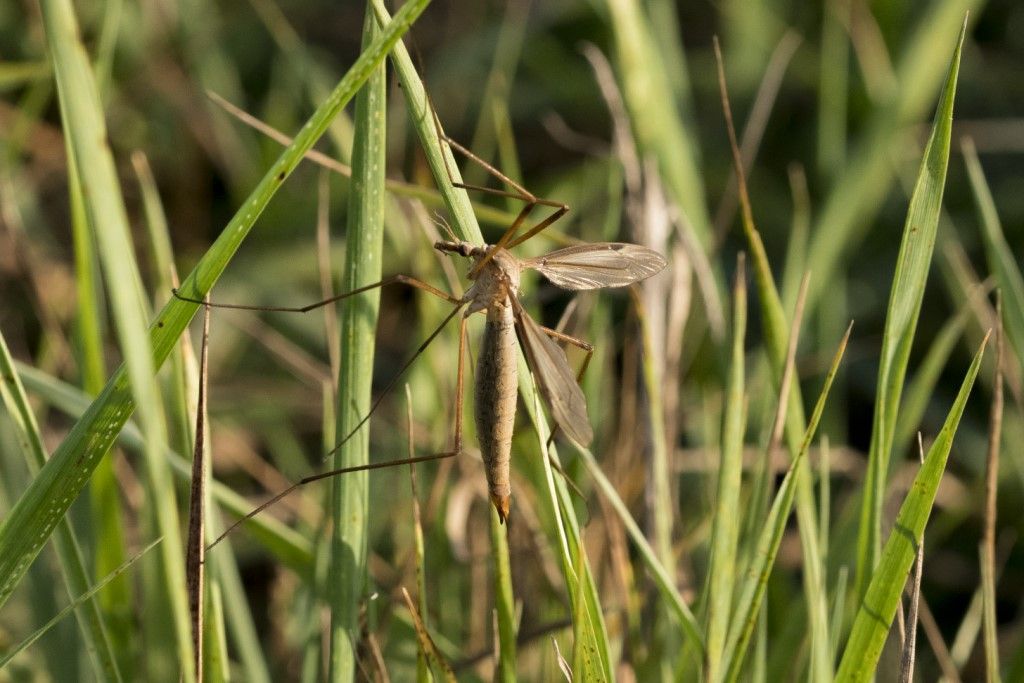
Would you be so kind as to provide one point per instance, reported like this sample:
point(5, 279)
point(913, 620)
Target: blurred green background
point(833, 101)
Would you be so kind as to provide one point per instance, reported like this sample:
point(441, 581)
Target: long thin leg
point(404, 279)
point(532, 201)
point(456, 449)
point(393, 380)
point(324, 475)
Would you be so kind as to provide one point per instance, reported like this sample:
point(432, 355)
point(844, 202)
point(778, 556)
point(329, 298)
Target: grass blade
point(439, 157)
point(862, 185)
point(907, 292)
point(90, 159)
point(504, 601)
point(878, 606)
point(725, 534)
point(776, 333)
point(659, 129)
point(988, 546)
point(666, 584)
point(77, 602)
point(755, 581)
point(90, 619)
point(358, 318)
point(1002, 262)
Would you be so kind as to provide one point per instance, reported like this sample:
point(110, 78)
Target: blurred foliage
point(521, 85)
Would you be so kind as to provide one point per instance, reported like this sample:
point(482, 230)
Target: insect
point(495, 274)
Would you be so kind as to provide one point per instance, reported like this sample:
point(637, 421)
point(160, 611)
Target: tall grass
point(745, 512)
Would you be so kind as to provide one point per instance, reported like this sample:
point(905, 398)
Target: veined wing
point(554, 377)
point(592, 266)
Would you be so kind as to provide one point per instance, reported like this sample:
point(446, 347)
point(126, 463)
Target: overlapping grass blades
point(40, 508)
point(875, 615)
point(905, 299)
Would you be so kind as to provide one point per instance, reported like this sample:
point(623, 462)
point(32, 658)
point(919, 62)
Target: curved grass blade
point(439, 157)
point(907, 292)
point(73, 568)
point(1001, 260)
point(776, 332)
point(660, 130)
point(80, 600)
point(883, 592)
point(91, 164)
point(282, 541)
point(861, 187)
point(37, 512)
point(589, 629)
point(755, 581)
point(664, 581)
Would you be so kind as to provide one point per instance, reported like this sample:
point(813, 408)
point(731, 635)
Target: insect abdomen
point(497, 382)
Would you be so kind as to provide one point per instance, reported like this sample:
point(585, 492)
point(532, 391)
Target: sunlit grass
point(712, 530)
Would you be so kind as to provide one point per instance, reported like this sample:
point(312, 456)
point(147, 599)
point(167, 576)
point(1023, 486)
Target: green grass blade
point(439, 157)
point(91, 160)
point(39, 509)
point(776, 332)
point(90, 619)
point(350, 494)
point(878, 606)
point(665, 582)
point(833, 86)
point(907, 292)
point(588, 622)
point(504, 601)
point(104, 496)
point(725, 533)
point(659, 129)
point(861, 187)
point(921, 387)
point(754, 582)
point(77, 602)
point(1002, 262)
point(283, 542)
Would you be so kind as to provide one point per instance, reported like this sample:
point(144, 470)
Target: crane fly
point(495, 273)
point(495, 290)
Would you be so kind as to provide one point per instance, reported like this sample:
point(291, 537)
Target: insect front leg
point(403, 279)
point(508, 238)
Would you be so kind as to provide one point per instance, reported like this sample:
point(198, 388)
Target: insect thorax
point(496, 281)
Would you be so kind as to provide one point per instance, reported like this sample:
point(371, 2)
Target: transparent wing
point(592, 266)
point(554, 378)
